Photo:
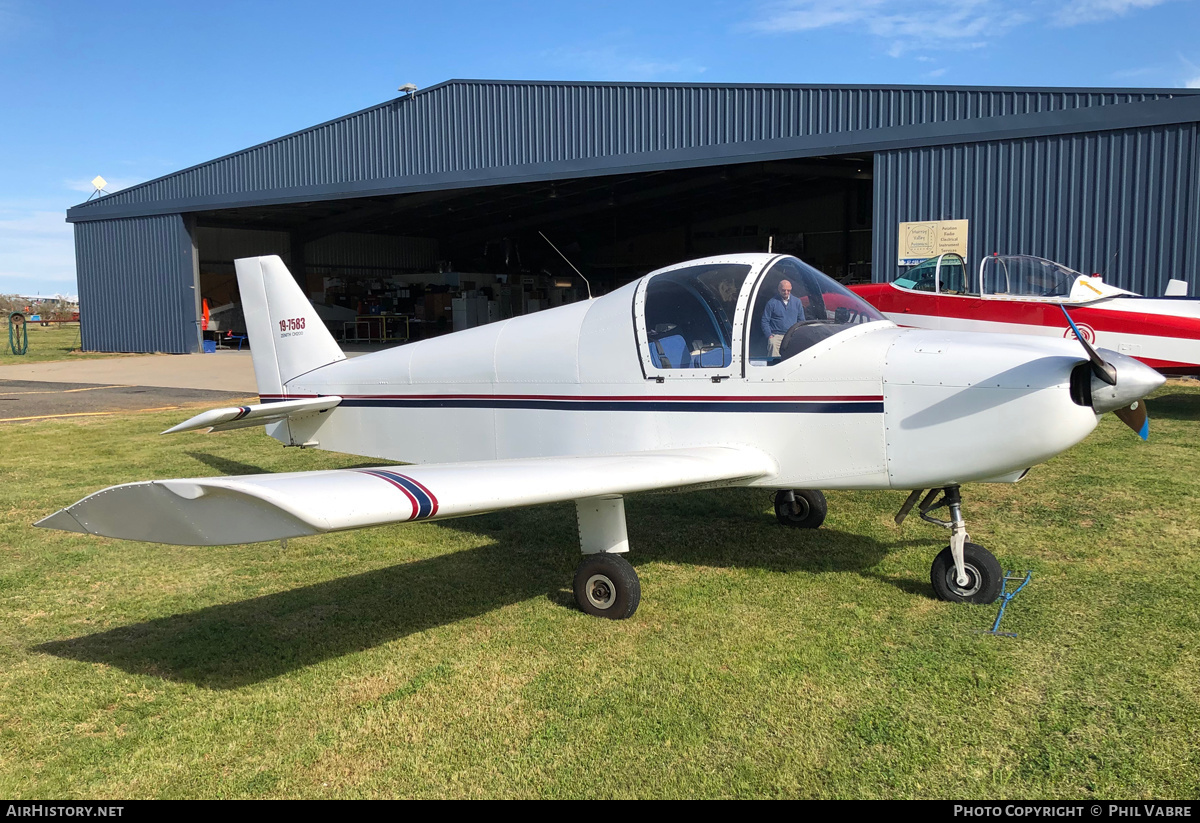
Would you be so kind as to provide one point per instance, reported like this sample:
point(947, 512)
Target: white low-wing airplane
point(668, 383)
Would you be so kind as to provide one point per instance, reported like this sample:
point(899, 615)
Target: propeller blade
point(1100, 368)
point(1136, 417)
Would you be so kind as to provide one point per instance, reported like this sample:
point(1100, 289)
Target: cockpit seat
point(712, 359)
point(675, 351)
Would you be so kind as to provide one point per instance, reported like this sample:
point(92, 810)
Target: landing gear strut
point(962, 572)
point(606, 585)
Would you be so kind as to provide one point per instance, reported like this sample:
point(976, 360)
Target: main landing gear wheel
point(607, 586)
point(985, 578)
point(800, 508)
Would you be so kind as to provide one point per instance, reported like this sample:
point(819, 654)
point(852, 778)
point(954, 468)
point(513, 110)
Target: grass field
point(59, 341)
point(448, 659)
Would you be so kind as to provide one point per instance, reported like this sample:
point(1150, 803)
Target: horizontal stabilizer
point(239, 417)
point(218, 511)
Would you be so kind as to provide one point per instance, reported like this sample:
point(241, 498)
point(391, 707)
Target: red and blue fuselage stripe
point(853, 404)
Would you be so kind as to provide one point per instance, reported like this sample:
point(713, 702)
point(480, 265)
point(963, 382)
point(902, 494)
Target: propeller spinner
point(1119, 384)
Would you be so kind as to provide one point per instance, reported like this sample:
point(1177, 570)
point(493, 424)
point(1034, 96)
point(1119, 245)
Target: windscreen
point(919, 277)
point(796, 307)
point(946, 274)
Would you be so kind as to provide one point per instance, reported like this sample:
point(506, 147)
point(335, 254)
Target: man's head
point(785, 289)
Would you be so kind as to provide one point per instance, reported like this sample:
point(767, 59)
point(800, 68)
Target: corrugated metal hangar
point(442, 193)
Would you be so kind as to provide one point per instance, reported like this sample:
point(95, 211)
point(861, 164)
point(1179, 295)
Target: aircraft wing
point(218, 511)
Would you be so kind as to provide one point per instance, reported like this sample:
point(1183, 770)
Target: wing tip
point(62, 520)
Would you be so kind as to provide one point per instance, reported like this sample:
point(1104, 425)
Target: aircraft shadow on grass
point(237, 644)
point(1175, 406)
point(226, 466)
point(234, 468)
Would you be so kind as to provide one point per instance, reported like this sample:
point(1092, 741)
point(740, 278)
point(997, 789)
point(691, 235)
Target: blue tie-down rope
point(1007, 595)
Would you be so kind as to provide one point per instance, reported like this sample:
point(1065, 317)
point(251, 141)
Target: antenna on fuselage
point(1111, 263)
point(569, 263)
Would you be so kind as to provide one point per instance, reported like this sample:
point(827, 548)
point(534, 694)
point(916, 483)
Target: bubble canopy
point(696, 317)
point(826, 307)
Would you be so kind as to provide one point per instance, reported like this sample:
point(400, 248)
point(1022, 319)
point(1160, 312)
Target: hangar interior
point(414, 254)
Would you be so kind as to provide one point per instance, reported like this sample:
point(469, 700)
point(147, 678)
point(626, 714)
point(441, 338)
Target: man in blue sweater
point(782, 312)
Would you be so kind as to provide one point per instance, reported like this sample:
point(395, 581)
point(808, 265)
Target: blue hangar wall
point(1124, 202)
point(1078, 175)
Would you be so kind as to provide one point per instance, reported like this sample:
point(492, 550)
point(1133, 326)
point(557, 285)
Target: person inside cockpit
point(781, 313)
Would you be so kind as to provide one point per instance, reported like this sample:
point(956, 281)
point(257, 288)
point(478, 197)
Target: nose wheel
point(985, 578)
point(962, 572)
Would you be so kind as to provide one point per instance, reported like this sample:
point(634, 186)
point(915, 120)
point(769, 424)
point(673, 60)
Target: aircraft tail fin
point(287, 337)
point(1176, 288)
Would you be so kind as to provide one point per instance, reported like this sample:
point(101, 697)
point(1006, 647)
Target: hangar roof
point(465, 134)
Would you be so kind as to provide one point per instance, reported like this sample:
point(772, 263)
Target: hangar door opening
point(387, 269)
point(616, 228)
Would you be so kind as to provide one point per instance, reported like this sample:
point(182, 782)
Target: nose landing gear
point(962, 572)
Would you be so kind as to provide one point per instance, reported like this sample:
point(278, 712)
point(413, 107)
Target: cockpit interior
point(693, 315)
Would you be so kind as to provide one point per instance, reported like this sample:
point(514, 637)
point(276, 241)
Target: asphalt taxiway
point(124, 385)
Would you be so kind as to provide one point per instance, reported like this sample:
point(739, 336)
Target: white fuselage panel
point(871, 407)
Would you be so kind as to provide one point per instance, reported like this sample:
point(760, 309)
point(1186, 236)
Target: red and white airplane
point(1021, 294)
point(667, 384)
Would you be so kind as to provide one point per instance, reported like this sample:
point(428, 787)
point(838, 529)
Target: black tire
point(986, 577)
point(806, 512)
point(607, 586)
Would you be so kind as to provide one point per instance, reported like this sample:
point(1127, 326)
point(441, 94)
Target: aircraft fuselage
point(872, 407)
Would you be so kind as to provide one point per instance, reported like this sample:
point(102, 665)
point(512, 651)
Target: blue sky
point(134, 90)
